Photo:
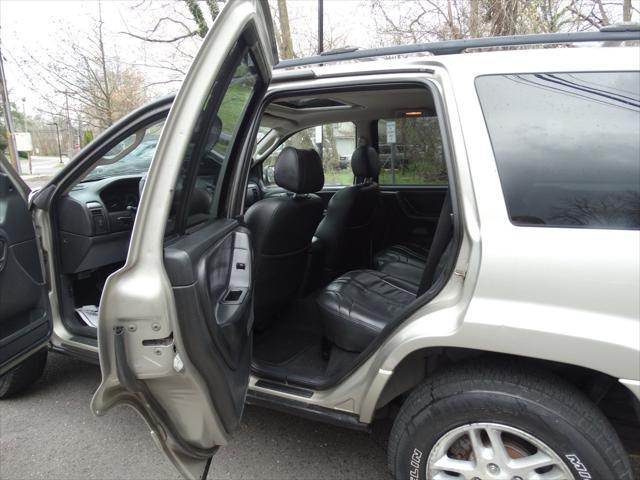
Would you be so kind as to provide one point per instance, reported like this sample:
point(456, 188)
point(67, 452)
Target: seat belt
point(441, 238)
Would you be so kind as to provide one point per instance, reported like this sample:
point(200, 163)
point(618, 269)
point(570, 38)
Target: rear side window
point(567, 146)
point(335, 142)
point(411, 151)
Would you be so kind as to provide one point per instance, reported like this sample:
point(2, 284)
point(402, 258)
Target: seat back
point(441, 248)
point(282, 228)
point(346, 230)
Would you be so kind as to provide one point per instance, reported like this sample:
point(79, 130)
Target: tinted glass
point(567, 147)
point(338, 142)
point(416, 157)
point(132, 156)
point(220, 131)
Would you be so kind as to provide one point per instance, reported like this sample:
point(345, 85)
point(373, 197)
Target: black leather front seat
point(282, 228)
point(345, 232)
point(357, 306)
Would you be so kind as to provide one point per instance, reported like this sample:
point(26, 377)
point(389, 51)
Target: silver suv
point(482, 285)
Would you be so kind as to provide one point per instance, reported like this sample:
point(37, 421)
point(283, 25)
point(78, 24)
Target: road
point(42, 169)
point(50, 433)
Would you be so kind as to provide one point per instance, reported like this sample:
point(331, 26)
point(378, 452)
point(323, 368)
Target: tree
point(626, 11)
point(172, 32)
point(598, 14)
point(81, 77)
point(195, 25)
point(285, 42)
point(415, 21)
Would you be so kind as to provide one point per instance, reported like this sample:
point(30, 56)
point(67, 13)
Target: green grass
point(345, 177)
point(338, 177)
point(409, 178)
point(233, 104)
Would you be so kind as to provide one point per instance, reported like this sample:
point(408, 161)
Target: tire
point(532, 411)
point(24, 375)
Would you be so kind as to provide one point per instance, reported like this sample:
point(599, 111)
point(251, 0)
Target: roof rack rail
point(615, 33)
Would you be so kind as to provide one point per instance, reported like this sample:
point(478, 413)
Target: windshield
point(132, 156)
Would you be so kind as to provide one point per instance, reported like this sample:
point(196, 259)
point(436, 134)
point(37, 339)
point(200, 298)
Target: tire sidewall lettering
point(415, 464)
point(578, 466)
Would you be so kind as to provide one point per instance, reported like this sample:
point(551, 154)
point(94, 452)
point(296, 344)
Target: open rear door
point(25, 316)
point(175, 322)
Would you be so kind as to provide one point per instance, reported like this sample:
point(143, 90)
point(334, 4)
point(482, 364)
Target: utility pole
point(13, 151)
point(58, 138)
point(69, 132)
point(24, 114)
point(320, 27)
point(79, 142)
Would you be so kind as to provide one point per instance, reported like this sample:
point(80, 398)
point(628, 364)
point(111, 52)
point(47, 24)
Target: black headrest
point(364, 162)
point(299, 171)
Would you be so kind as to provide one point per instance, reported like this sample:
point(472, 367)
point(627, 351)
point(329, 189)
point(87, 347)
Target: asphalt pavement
point(49, 433)
point(42, 169)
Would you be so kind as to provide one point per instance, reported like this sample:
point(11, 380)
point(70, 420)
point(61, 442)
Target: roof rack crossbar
point(458, 46)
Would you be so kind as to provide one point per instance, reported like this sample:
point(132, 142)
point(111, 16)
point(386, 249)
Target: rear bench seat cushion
point(411, 254)
point(358, 305)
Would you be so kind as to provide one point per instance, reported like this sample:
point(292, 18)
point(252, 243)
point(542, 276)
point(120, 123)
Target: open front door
point(175, 322)
point(25, 316)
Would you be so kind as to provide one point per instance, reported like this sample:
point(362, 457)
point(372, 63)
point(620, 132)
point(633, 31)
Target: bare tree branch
point(161, 40)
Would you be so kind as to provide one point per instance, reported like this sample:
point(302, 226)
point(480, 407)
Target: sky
point(41, 29)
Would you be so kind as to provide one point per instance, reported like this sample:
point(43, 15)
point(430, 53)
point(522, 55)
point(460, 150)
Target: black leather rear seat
point(357, 306)
point(402, 261)
point(410, 254)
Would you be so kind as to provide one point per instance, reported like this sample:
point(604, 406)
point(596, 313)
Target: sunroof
point(311, 103)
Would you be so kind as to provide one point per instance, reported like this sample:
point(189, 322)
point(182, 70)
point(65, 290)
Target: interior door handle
point(4, 249)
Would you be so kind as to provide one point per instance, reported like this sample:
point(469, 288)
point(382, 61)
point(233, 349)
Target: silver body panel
point(559, 294)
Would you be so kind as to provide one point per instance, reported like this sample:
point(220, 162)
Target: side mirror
point(270, 174)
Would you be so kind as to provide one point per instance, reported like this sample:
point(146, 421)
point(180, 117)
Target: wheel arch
point(601, 388)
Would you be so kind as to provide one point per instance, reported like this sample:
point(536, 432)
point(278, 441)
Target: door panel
point(410, 214)
point(210, 274)
point(25, 322)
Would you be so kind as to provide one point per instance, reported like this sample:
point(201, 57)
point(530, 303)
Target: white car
point(487, 284)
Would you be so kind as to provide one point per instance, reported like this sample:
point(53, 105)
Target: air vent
point(98, 219)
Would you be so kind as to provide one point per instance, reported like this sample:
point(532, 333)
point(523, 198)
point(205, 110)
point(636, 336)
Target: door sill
point(307, 410)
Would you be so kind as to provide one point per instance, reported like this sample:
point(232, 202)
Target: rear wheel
point(23, 375)
point(494, 423)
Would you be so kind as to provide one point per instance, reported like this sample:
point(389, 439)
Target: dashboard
point(95, 220)
point(121, 196)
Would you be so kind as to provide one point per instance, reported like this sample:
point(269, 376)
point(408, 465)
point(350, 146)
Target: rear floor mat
point(279, 347)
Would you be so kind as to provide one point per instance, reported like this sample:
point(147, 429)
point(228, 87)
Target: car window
point(131, 156)
point(212, 151)
point(566, 146)
point(414, 155)
point(337, 142)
